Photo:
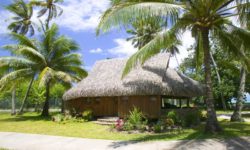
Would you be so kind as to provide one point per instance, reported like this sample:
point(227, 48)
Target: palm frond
point(124, 13)
point(15, 75)
point(162, 41)
point(15, 62)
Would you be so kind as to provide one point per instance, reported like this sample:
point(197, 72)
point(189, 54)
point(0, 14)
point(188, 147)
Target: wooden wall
point(118, 106)
point(149, 105)
point(105, 106)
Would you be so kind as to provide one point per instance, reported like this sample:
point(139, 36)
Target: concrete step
point(104, 123)
point(108, 119)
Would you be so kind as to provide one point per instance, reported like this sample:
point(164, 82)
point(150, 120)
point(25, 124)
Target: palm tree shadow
point(199, 139)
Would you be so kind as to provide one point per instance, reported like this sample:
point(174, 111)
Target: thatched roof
point(153, 78)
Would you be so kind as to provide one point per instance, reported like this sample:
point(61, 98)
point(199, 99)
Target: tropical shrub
point(119, 124)
point(169, 122)
point(157, 128)
point(185, 118)
point(87, 115)
point(136, 119)
point(128, 126)
point(174, 116)
point(203, 116)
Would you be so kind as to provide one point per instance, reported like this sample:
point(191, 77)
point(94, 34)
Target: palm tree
point(143, 30)
point(236, 116)
point(22, 23)
point(245, 24)
point(202, 17)
point(49, 6)
point(49, 59)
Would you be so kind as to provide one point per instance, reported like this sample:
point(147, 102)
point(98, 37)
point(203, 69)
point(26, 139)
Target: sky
point(79, 21)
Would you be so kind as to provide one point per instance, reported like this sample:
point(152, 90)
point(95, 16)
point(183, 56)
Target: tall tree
point(22, 12)
point(244, 19)
point(51, 59)
point(202, 17)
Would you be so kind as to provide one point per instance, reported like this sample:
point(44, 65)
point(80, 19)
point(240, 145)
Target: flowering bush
point(119, 124)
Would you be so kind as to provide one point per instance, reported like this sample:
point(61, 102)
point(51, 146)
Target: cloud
point(187, 41)
point(123, 48)
point(82, 15)
point(96, 51)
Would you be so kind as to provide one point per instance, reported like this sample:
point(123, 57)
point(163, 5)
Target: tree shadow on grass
point(228, 138)
point(20, 118)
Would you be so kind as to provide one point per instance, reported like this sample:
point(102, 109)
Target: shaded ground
point(18, 141)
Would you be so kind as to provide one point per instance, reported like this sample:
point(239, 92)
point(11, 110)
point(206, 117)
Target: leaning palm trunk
point(26, 96)
point(45, 111)
point(212, 124)
point(13, 101)
point(219, 82)
point(239, 104)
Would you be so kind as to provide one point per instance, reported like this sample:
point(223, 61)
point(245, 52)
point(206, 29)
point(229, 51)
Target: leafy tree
point(50, 59)
point(202, 17)
point(22, 23)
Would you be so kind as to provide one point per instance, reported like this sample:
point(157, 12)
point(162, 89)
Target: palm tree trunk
point(26, 96)
point(45, 111)
point(13, 101)
point(239, 104)
point(219, 82)
point(212, 124)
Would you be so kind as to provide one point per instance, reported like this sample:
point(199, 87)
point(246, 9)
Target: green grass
point(33, 123)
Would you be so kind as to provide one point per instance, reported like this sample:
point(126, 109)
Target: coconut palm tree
point(202, 17)
point(245, 24)
point(49, 6)
point(22, 12)
point(50, 60)
point(143, 30)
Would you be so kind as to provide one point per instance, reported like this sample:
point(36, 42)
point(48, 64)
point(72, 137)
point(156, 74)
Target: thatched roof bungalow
point(107, 94)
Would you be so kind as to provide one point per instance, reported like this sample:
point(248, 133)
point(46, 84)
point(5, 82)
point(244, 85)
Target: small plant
point(58, 118)
point(119, 124)
point(169, 122)
point(203, 115)
point(87, 115)
point(157, 128)
point(128, 127)
point(137, 119)
point(173, 115)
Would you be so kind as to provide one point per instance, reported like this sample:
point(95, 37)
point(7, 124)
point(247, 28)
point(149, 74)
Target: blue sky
point(79, 22)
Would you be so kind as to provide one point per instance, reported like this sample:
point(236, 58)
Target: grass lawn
point(33, 123)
